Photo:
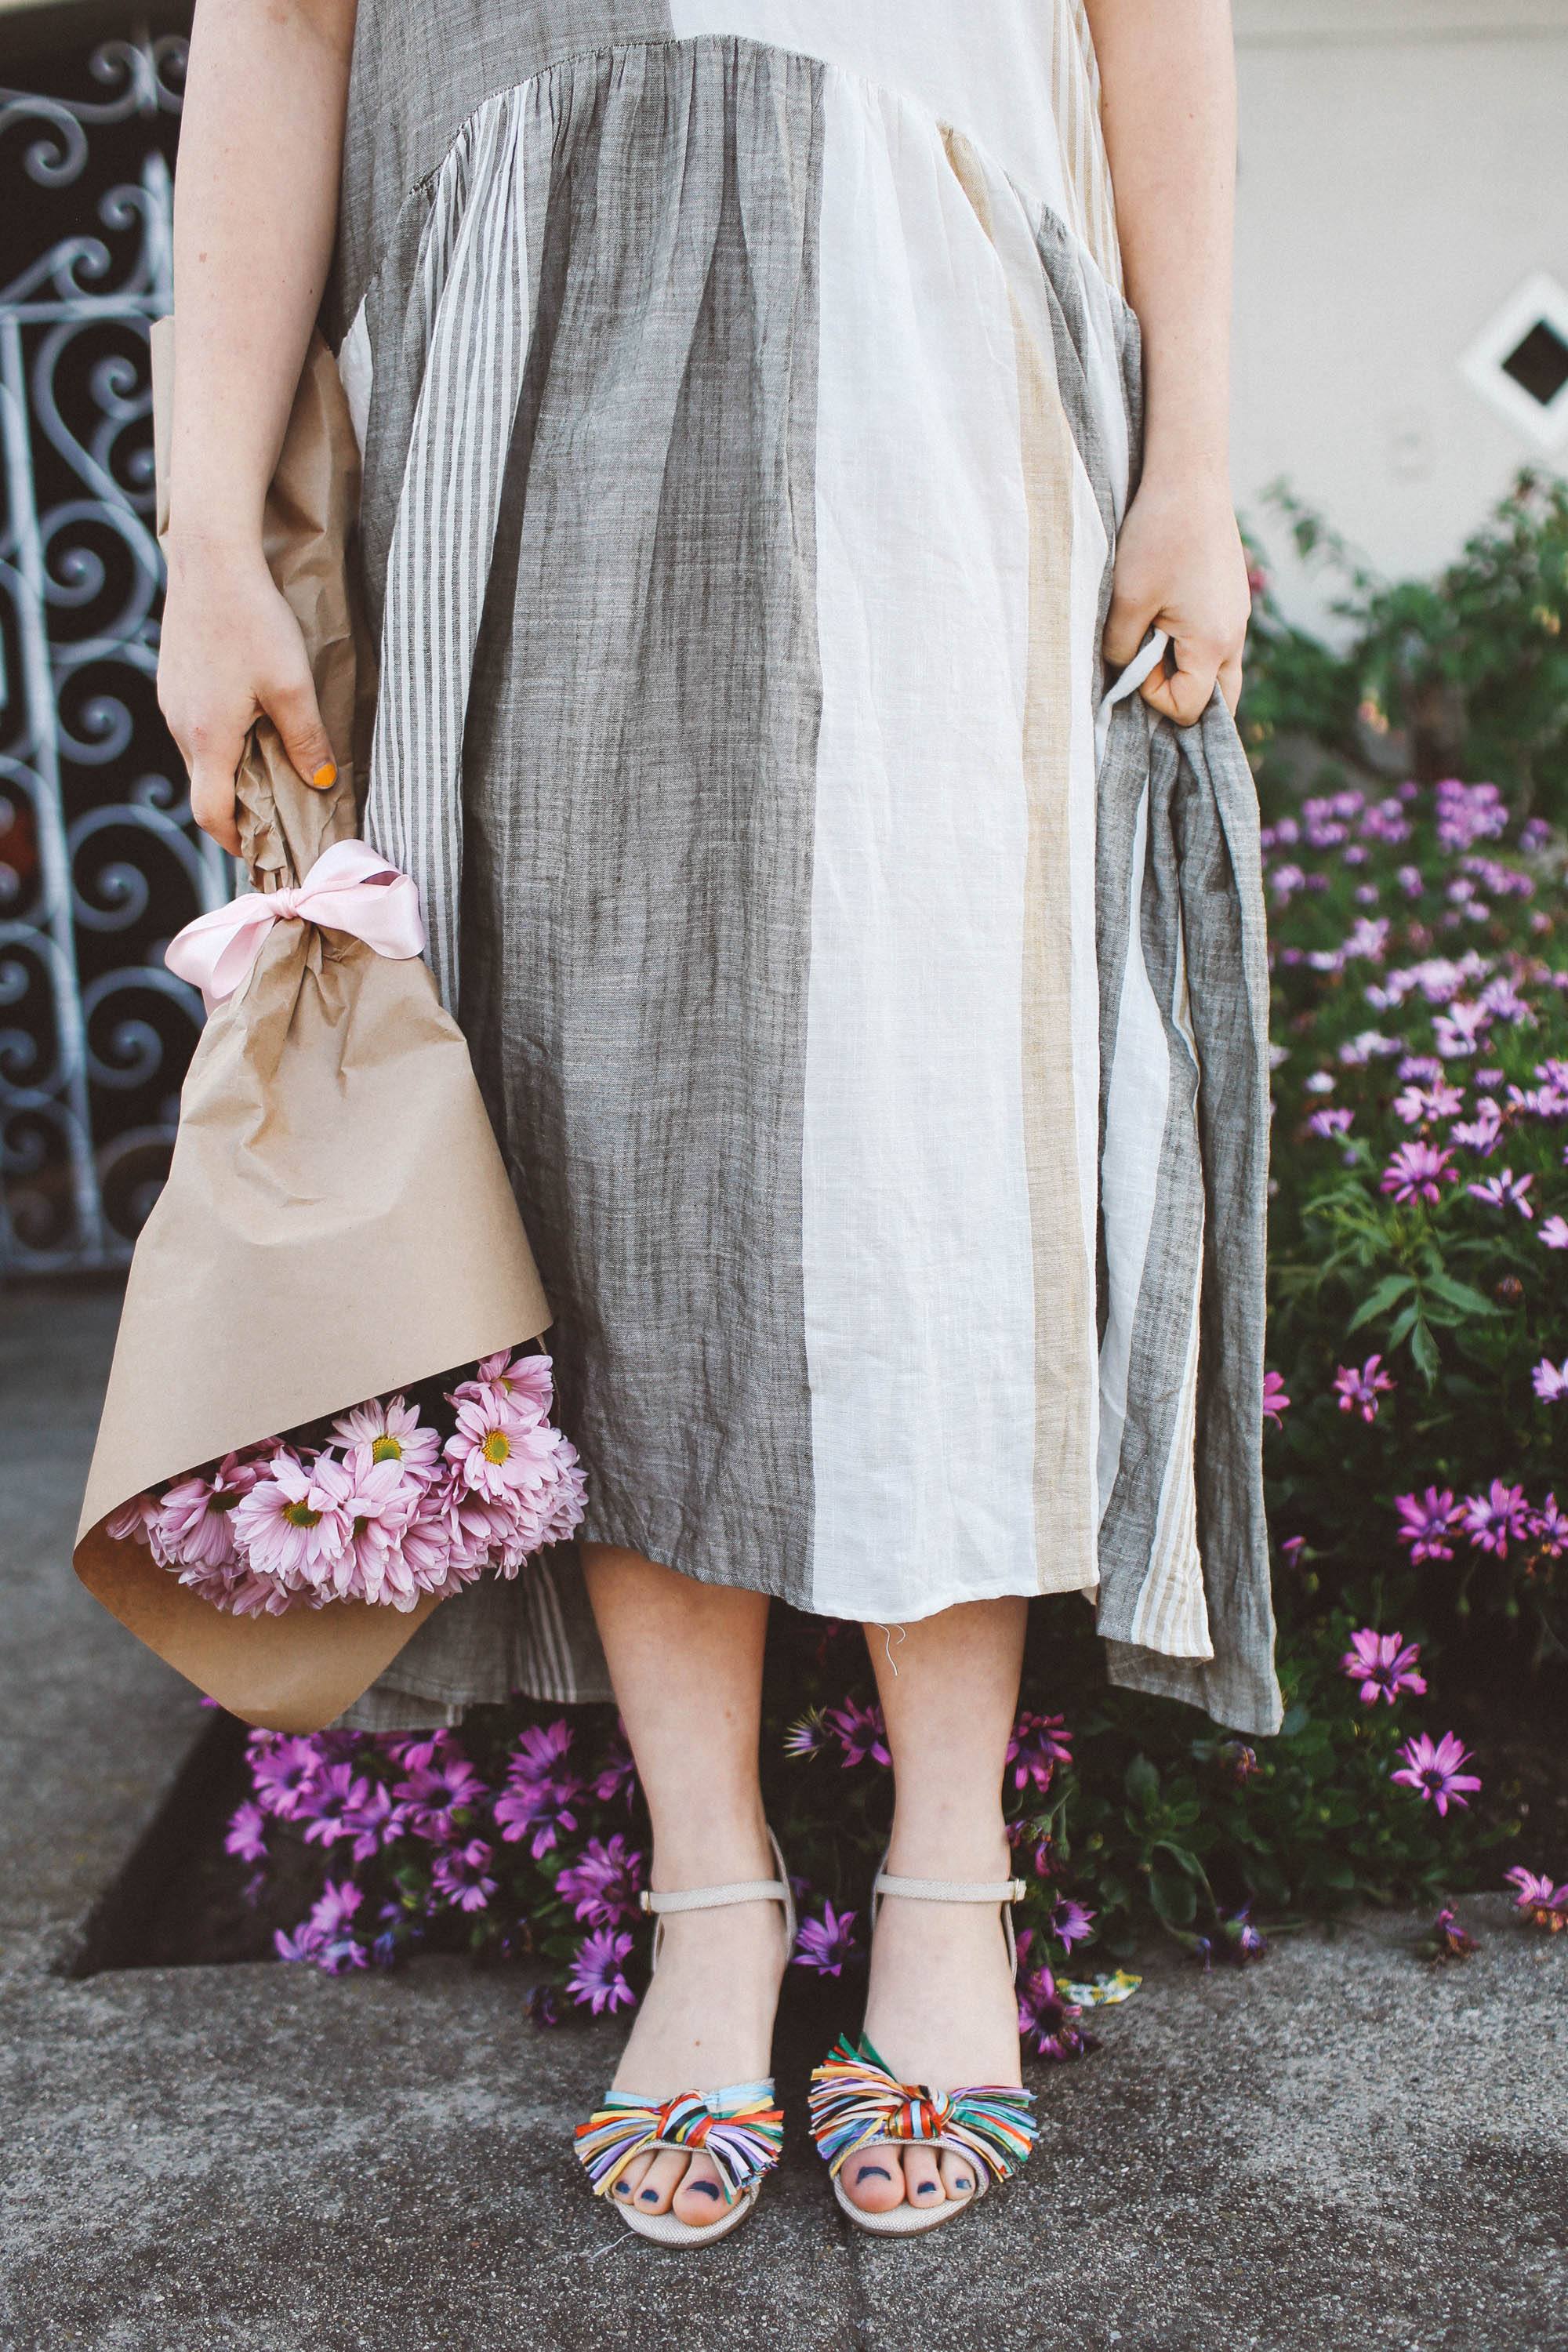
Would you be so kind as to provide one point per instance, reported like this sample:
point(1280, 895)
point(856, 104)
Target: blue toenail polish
point(873, 2172)
point(651, 2197)
point(702, 2188)
point(926, 2188)
point(961, 2180)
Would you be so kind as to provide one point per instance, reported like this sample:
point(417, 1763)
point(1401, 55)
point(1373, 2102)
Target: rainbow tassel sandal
point(857, 2103)
point(740, 2129)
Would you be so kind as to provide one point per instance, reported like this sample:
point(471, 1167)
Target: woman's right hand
point(230, 652)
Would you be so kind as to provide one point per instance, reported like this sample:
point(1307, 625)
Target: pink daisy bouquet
point(397, 1499)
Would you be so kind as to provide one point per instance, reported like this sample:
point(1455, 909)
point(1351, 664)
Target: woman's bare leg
point(686, 1660)
point(942, 2008)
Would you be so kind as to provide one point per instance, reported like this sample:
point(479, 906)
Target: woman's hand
point(1179, 567)
point(232, 650)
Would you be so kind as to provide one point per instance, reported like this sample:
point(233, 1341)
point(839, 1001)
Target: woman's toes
point(660, 2181)
point(700, 2197)
point(874, 2179)
point(631, 2179)
point(922, 2181)
point(957, 2175)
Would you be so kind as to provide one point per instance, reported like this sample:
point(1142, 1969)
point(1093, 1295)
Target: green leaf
point(1460, 1295)
point(1424, 1347)
point(1142, 1784)
point(1381, 1300)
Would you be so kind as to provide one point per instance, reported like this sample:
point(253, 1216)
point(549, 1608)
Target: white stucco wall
point(1404, 164)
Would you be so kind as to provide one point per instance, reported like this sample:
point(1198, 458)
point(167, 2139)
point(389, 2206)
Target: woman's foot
point(705, 2023)
point(941, 2010)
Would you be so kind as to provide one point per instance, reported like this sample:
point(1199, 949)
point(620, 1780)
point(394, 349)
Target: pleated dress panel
point(747, 427)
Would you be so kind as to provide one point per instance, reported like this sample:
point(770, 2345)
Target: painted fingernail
point(326, 775)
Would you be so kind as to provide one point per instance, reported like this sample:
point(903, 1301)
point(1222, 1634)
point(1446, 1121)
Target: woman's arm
point(1168, 75)
point(254, 208)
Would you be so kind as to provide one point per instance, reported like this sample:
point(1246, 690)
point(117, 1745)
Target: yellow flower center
point(386, 1448)
point(300, 1514)
point(496, 1445)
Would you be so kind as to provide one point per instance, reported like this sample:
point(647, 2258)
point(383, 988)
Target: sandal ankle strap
point(1004, 1892)
point(949, 1890)
point(718, 1898)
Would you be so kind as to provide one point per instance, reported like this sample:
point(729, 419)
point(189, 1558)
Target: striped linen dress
point(870, 1007)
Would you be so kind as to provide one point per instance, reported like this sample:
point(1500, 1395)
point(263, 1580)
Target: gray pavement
point(1339, 2148)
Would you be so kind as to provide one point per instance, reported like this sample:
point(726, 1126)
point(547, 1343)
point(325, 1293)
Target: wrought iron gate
point(98, 861)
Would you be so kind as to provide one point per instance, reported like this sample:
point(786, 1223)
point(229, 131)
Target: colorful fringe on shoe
point(855, 2101)
point(743, 2144)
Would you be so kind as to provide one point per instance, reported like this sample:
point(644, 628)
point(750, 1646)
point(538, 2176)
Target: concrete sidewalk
point(1342, 2148)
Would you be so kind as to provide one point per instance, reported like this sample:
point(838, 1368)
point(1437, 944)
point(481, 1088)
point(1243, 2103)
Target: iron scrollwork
point(99, 862)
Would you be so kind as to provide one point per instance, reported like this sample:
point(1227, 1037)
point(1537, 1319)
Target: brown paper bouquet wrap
point(337, 1223)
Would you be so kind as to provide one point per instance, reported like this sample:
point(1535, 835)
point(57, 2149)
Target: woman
point(750, 414)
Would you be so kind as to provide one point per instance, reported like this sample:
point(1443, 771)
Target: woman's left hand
point(1179, 567)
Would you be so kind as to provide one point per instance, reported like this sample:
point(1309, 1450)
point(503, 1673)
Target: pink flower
point(1382, 1665)
point(1537, 1900)
point(135, 1521)
point(1330, 1122)
point(603, 1883)
point(1416, 1171)
point(1417, 1105)
point(394, 1432)
point(1554, 1233)
point(1494, 1519)
point(436, 1793)
point(497, 1455)
point(459, 1876)
point(1548, 1528)
point(860, 1732)
point(1550, 1380)
point(1037, 1745)
point(1505, 1191)
point(292, 1525)
point(283, 1770)
point(1358, 1392)
point(523, 1382)
point(1434, 1771)
point(1275, 1399)
point(596, 1978)
point(1427, 1522)
point(247, 1834)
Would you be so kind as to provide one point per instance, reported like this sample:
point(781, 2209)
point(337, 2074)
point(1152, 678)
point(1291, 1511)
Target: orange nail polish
point(325, 775)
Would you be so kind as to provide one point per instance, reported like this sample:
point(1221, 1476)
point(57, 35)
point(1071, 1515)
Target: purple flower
point(1548, 1528)
point(247, 1834)
point(282, 1773)
point(616, 1779)
point(602, 1884)
point(325, 1938)
point(1434, 1771)
point(1275, 1399)
point(544, 2005)
point(1505, 1191)
point(1049, 2023)
point(596, 1978)
point(1039, 1744)
point(860, 1732)
point(1382, 1666)
point(1241, 1941)
point(1416, 1171)
point(1554, 1233)
point(434, 1793)
point(1358, 1392)
point(1550, 1380)
point(540, 1796)
point(1537, 1900)
point(1240, 1761)
point(460, 1877)
point(1069, 1923)
point(1494, 1519)
point(827, 1943)
point(1447, 1940)
point(1331, 1122)
point(808, 1736)
point(1426, 1523)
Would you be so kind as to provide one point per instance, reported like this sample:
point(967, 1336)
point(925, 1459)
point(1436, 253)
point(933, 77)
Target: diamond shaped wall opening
point(1519, 361)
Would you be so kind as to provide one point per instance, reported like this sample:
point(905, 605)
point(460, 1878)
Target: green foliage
point(1465, 676)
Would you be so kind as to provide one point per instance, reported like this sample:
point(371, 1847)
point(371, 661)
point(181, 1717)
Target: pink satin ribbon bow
point(350, 887)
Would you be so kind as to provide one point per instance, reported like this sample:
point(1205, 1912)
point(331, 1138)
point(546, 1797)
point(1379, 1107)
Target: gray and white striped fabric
point(871, 1012)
